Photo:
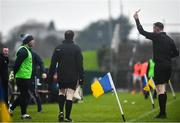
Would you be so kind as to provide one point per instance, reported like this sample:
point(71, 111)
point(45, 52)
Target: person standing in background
point(37, 62)
point(136, 77)
point(4, 77)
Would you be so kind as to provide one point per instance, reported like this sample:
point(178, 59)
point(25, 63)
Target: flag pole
point(172, 90)
point(120, 107)
point(150, 94)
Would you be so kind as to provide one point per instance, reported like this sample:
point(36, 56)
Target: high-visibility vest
point(25, 70)
point(151, 68)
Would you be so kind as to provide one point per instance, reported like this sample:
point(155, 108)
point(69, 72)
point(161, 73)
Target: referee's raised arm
point(149, 35)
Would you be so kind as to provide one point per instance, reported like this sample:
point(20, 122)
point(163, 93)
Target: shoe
point(68, 120)
point(25, 116)
point(39, 110)
point(61, 117)
point(10, 111)
point(161, 116)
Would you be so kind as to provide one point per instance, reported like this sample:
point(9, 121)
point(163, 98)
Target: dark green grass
point(90, 61)
point(105, 109)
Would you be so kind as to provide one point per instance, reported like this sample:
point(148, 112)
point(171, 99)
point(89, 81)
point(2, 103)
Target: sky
point(78, 14)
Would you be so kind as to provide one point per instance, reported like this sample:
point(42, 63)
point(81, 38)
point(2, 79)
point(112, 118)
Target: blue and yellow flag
point(4, 114)
point(101, 86)
point(147, 86)
point(151, 84)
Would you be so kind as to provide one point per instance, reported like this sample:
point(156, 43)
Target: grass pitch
point(105, 109)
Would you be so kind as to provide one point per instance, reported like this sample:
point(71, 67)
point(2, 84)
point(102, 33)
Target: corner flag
point(103, 85)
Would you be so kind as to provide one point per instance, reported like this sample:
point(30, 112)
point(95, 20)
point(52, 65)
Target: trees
point(51, 26)
point(45, 35)
point(125, 27)
point(31, 27)
point(97, 34)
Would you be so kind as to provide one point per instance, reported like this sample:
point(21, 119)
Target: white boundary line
point(146, 114)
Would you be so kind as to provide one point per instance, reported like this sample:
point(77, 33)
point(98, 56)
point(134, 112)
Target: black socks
point(61, 101)
point(68, 108)
point(162, 103)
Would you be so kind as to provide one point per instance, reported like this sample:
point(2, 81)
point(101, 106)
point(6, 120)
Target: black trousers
point(35, 94)
point(38, 100)
point(23, 98)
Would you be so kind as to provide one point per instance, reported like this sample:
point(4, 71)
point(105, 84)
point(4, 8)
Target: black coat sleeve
point(149, 35)
point(54, 61)
point(80, 64)
point(38, 61)
point(174, 50)
point(22, 54)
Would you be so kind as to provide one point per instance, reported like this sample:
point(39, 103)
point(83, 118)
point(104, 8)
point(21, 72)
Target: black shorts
point(64, 85)
point(162, 73)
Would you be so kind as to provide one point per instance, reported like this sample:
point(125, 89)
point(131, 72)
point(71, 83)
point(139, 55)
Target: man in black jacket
point(68, 61)
point(4, 72)
point(164, 50)
point(37, 62)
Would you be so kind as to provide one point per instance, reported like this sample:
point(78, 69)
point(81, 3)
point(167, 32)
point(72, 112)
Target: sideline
point(146, 114)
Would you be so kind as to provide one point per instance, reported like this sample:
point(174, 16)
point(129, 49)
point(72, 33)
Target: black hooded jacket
point(69, 58)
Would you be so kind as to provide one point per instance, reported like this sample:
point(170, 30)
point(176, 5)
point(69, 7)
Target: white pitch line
point(146, 114)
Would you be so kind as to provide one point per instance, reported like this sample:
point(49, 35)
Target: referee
point(67, 59)
point(164, 50)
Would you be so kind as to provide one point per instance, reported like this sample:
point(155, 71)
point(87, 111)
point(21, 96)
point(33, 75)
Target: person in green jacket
point(150, 75)
point(23, 72)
